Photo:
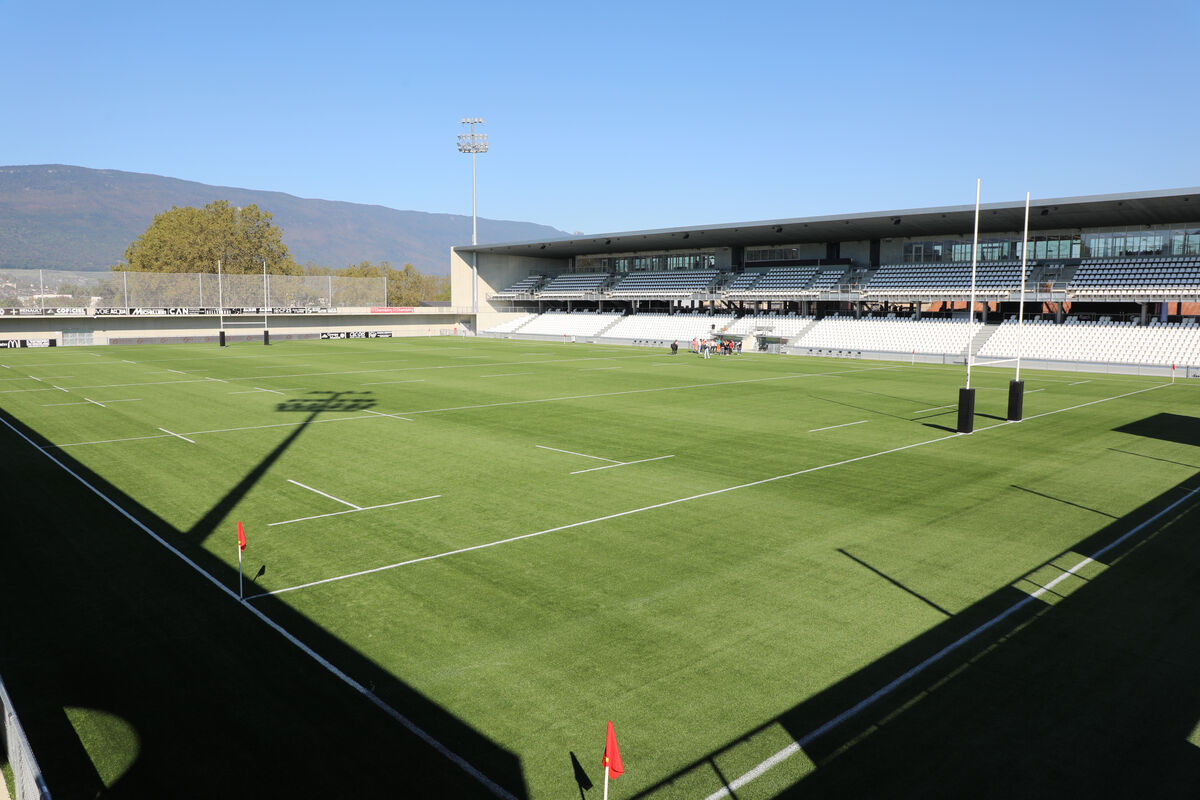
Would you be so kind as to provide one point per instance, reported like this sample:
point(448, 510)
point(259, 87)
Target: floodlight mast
point(473, 143)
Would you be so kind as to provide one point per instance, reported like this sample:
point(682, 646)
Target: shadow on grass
point(99, 616)
point(1089, 690)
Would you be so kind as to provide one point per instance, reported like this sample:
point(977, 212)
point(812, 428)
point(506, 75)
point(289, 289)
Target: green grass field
point(511, 542)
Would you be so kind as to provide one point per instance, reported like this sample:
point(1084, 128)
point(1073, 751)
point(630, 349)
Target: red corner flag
point(241, 538)
point(612, 756)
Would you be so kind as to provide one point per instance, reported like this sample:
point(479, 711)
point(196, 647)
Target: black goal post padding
point(221, 338)
point(266, 336)
point(966, 410)
point(1016, 400)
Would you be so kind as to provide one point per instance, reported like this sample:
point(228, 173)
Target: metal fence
point(27, 775)
point(56, 288)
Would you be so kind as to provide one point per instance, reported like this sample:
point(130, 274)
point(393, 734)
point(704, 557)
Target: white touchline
point(381, 414)
point(573, 453)
point(318, 491)
point(621, 464)
point(176, 435)
point(795, 747)
point(843, 425)
point(354, 510)
point(408, 724)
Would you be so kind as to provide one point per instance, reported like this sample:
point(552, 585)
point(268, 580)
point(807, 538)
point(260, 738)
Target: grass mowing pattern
point(757, 612)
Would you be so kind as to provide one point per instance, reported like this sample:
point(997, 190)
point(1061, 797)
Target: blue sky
point(616, 115)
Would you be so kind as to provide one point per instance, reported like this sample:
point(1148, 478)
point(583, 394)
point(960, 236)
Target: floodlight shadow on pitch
point(329, 401)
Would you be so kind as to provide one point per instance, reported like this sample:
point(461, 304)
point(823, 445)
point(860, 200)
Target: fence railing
point(27, 775)
point(55, 288)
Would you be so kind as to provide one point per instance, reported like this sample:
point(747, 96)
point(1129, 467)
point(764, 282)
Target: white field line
point(618, 515)
point(621, 464)
point(125, 400)
point(388, 383)
point(595, 369)
point(935, 408)
point(381, 414)
point(249, 391)
point(573, 453)
point(1031, 391)
point(52, 405)
point(323, 494)
point(408, 724)
point(61, 389)
point(273, 391)
point(843, 425)
point(1076, 383)
point(39, 380)
point(90, 400)
point(57, 377)
point(176, 435)
point(339, 513)
point(506, 375)
point(127, 361)
point(686, 499)
point(799, 743)
point(218, 380)
point(181, 372)
point(382, 361)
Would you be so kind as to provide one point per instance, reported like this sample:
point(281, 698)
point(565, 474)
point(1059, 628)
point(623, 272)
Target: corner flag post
point(612, 758)
point(241, 547)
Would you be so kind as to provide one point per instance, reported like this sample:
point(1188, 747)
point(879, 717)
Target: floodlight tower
point(473, 143)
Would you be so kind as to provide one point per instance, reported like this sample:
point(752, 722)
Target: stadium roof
point(1094, 211)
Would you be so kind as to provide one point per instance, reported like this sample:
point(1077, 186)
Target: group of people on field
point(722, 347)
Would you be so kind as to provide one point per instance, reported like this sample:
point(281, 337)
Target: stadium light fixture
point(473, 143)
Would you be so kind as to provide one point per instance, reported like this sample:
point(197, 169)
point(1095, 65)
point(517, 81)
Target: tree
point(193, 240)
point(406, 287)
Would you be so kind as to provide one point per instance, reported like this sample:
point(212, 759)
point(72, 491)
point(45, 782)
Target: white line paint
point(1076, 383)
point(383, 361)
point(388, 383)
point(179, 372)
point(52, 405)
point(595, 369)
point(58, 377)
point(61, 389)
point(272, 391)
point(127, 361)
point(249, 391)
point(506, 375)
point(573, 453)
point(935, 408)
point(381, 414)
point(339, 513)
point(323, 494)
point(798, 744)
point(176, 435)
point(686, 499)
point(395, 715)
point(621, 464)
point(90, 400)
point(218, 380)
point(1031, 391)
point(843, 425)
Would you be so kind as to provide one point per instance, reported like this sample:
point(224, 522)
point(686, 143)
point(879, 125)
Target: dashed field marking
point(381, 414)
point(176, 435)
point(621, 464)
point(354, 510)
point(843, 425)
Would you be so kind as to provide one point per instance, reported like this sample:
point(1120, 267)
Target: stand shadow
point(99, 615)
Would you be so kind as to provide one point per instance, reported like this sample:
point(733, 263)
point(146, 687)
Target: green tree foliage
point(193, 240)
point(406, 287)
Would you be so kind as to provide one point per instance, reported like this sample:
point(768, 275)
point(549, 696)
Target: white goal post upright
point(966, 395)
point(1016, 387)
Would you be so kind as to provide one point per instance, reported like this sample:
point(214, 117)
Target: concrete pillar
point(858, 309)
point(1145, 315)
point(1058, 314)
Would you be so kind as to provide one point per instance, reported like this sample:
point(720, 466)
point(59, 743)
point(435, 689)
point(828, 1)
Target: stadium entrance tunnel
point(1085, 688)
point(317, 401)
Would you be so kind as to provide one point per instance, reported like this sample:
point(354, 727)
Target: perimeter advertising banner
point(356, 335)
point(11, 343)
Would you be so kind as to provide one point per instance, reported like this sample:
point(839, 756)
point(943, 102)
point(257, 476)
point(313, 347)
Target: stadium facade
point(1132, 257)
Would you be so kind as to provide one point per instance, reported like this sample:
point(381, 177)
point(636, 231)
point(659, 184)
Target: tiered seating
point(560, 323)
point(742, 282)
point(1156, 276)
point(889, 335)
point(827, 280)
point(786, 326)
point(668, 327)
point(682, 283)
point(511, 325)
point(1117, 342)
point(522, 287)
point(779, 282)
point(993, 277)
point(574, 284)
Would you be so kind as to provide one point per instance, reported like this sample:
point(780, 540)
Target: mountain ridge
point(59, 216)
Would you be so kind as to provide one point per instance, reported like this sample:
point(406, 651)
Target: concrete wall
point(104, 328)
point(496, 273)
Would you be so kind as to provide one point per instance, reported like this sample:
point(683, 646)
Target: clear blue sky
point(613, 116)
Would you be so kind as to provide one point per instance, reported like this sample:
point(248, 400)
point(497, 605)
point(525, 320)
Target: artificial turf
point(721, 556)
